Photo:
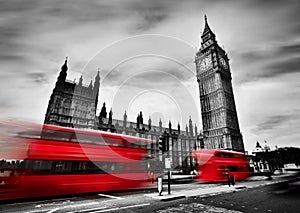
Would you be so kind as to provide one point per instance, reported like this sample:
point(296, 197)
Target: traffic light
point(162, 143)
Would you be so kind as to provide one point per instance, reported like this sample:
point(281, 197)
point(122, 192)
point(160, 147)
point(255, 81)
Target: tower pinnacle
point(63, 73)
point(65, 66)
point(207, 32)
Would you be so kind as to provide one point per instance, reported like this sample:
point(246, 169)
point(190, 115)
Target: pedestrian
point(228, 177)
point(232, 180)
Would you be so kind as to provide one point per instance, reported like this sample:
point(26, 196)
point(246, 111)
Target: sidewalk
point(252, 182)
point(194, 192)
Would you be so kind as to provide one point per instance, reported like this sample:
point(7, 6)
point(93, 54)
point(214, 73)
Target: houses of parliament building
point(74, 105)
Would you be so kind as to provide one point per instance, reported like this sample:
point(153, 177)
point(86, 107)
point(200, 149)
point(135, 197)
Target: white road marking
point(37, 211)
point(82, 204)
point(110, 196)
point(65, 207)
point(124, 207)
point(137, 205)
point(87, 210)
point(53, 210)
point(107, 210)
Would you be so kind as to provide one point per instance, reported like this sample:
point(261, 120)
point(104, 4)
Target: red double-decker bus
point(220, 165)
point(37, 161)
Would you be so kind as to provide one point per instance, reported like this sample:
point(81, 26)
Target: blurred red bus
point(52, 160)
point(218, 165)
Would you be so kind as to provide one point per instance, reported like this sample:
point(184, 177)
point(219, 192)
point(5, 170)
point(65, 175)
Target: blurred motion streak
point(220, 165)
point(45, 160)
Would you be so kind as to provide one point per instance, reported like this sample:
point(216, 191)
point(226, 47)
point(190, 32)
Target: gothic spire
point(63, 74)
point(206, 28)
point(207, 32)
point(80, 80)
point(125, 120)
point(103, 112)
point(110, 116)
point(97, 78)
point(64, 67)
point(149, 123)
point(96, 84)
point(91, 85)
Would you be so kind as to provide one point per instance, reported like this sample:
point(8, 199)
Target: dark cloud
point(150, 19)
point(151, 13)
point(38, 78)
point(268, 4)
point(270, 63)
point(142, 75)
point(11, 58)
point(273, 122)
point(289, 66)
point(11, 31)
point(288, 49)
point(18, 5)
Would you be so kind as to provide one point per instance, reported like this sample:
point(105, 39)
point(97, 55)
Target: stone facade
point(74, 105)
point(71, 104)
point(181, 143)
point(219, 116)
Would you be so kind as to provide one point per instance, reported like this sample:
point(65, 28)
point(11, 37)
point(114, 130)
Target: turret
point(96, 84)
point(91, 85)
point(125, 120)
point(191, 126)
point(80, 81)
point(187, 130)
point(110, 116)
point(149, 123)
point(160, 125)
point(103, 112)
point(63, 74)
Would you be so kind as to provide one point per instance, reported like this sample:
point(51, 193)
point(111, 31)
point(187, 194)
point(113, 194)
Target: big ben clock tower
point(219, 117)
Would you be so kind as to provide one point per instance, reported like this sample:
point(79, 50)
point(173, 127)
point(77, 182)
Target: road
point(250, 196)
point(276, 198)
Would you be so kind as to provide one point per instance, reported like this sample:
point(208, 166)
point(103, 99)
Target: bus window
point(232, 168)
point(57, 135)
point(223, 155)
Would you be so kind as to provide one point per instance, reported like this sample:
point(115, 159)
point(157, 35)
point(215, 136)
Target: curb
point(165, 197)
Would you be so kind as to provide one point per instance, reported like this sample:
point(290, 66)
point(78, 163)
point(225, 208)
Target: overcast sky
point(145, 52)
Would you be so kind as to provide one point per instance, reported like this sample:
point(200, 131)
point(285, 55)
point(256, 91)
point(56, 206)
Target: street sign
point(168, 163)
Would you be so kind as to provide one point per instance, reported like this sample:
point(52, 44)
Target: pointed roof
point(206, 28)
point(207, 32)
point(65, 66)
point(257, 145)
point(97, 78)
point(91, 85)
point(80, 80)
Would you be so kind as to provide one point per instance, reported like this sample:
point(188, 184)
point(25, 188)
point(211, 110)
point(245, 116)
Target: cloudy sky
point(145, 51)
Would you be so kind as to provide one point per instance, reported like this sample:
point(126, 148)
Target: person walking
point(232, 180)
point(228, 177)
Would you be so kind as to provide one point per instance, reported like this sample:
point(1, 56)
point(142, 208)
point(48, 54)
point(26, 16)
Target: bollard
point(159, 185)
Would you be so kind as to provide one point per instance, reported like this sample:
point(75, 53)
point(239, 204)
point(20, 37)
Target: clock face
point(223, 63)
point(205, 63)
